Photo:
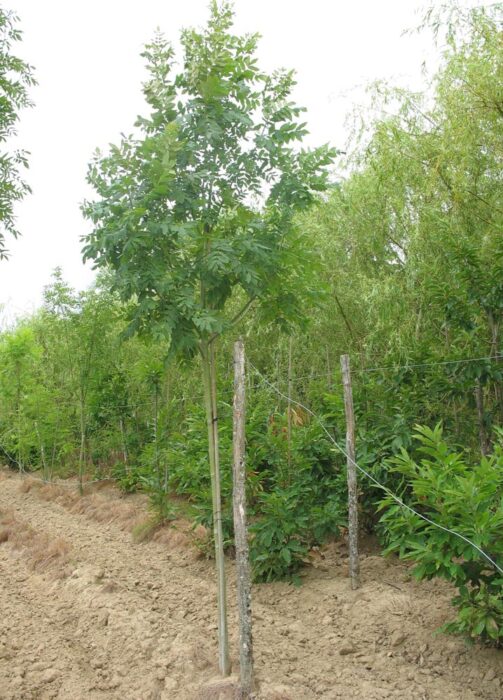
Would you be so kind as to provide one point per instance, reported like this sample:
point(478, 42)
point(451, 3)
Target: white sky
point(86, 56)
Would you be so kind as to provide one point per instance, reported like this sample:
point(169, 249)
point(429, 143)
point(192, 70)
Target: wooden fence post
point(354, 563)
point(240, 529)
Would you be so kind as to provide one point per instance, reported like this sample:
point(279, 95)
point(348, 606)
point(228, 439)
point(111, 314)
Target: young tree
point(15, 78)
point(19, 361)
point(76, 329)
point(195, 213)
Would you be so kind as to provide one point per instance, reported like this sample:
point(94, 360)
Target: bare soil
point(87, 613)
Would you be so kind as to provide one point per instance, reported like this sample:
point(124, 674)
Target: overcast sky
point(86, 57)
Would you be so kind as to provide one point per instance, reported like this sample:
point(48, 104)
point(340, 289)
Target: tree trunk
point(494, 325)
point(354, 564)
point(124, 445)
point(45, 471)
point(479, 400)
point(289, 412)
point(156, 440)
point(240, 530)
point(19, 443)
point(18, 427)
point(167, 389)
point(329, 370)
point(82, 444)
point(210, 400)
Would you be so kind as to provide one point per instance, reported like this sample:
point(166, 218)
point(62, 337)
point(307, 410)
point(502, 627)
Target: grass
point(43, 554)
point(144, 531)
point(104, 503)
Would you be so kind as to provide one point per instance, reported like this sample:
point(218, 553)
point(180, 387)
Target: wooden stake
point(354, 564)
point(240, 529)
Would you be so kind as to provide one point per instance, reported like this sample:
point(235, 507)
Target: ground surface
point(88, 614)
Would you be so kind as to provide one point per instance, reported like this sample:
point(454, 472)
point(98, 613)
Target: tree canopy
point(198, 208)
point(16, 76)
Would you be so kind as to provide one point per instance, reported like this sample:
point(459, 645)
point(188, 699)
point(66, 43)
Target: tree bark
point(354, 564)
point(82, 450)
point(240, 529)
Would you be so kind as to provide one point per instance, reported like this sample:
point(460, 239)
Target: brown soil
point(87, 614)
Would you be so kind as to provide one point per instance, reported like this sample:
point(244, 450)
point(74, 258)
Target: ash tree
point(195, 211)
point(16, 77)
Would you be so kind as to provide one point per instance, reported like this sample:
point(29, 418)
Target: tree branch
point(237, 318)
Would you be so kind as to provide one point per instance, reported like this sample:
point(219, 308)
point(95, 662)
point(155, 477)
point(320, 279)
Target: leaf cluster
point(16, 77)
point(461, 498)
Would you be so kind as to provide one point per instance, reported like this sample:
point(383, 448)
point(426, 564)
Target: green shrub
point(127, 478)
point(291, 520)
point(159, 501)
point(295, 496)
point(277, 550)
point(467, 499)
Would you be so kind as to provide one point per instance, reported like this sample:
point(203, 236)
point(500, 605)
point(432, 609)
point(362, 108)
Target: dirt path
point(137, 622)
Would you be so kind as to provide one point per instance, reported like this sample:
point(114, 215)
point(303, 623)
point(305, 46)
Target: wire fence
point(263, 381)
point(375, 481)
point(160, 402)
point(193, 397)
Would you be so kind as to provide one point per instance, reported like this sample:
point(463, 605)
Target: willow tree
point(417, 229)
point(195, 210)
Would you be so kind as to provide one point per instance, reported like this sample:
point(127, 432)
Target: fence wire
point(264, 381)
point(377, 483)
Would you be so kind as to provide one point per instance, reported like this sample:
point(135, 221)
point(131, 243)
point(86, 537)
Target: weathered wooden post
point(240, 529)
point(354, 563)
